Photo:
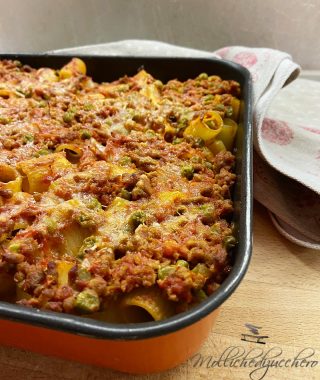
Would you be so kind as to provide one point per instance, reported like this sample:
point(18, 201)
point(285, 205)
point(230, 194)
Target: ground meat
point(130, 272)
point(104, 192)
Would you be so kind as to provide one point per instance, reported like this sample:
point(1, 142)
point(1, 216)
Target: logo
point(259, 360)
point(256, 337)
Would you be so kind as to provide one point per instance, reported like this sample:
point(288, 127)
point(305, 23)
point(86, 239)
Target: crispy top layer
point(102, 192)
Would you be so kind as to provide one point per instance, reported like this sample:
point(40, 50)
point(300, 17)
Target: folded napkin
point(286, 130)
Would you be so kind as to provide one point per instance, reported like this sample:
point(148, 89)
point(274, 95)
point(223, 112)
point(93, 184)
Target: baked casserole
point(115, 198)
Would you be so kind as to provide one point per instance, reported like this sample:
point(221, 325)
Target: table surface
point(279, 295)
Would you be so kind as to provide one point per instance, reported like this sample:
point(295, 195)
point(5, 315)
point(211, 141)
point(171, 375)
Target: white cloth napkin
point(286, 131)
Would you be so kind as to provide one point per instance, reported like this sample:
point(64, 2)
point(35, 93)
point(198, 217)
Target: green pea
point(187, 171)
point(219, 107)
point(150, 134)
point(42, 152)
point(208, 215)
point(28, 138)
point(125, 194)
point(196, 159)
point(42, 104)
point(14, 247)
point(208, 98)
point(88, 107)
point(85, 135)
point(229, 242)
point(87, 301)
point(68, 116)
point(84, 274)
point(136, 218)
point(125, 161)
point(183, 122)
point(202, 76)
point(85, 220)
point(165, 271)
point(182, 263)
point(229, 111)
point(209, 165)
point(88, 244)
point(202, 269)
point(51, 225)
point(200, 295)
point(94, 204)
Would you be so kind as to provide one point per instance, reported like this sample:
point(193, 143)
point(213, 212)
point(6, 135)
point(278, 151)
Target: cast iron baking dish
point(151, 346)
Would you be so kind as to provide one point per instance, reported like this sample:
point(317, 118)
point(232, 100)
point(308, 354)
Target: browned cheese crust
point(107, 194)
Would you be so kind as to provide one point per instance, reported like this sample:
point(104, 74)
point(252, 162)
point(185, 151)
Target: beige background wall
point(39, 25)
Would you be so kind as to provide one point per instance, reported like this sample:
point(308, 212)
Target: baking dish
point(152, 346)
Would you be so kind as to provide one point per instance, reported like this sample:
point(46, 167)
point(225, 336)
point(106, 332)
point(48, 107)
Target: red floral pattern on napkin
point(287, 136)
point(246, 59)
point(276, 131)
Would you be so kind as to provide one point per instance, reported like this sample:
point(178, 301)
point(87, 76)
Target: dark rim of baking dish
point(133, 331)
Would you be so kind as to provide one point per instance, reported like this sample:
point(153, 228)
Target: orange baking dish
point(150, 346)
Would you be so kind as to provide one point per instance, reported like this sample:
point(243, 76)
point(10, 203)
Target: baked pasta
point(115, 198)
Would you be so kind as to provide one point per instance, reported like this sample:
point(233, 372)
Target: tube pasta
point(228, 133)
point(151, 92)
point(63, 269)
point(39, 171)
point(10, 178)
point(217, 134)
point(73, 239)
point(76, 232)
point(119, 170)
point(206, 128)
point(143, 304)
point(73, 151)
point(148, 87)
point(142, 78)
point(75, 67)
point(169, 131)
point(170, 196)
point(217, 146)
point(150, 300)
point(235, 104)
point(21, 225)
point(6, 93)
point(213, 120)
point(113, 313)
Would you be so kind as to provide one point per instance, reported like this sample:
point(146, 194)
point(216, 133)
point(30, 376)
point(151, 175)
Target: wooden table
point(280, 295)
